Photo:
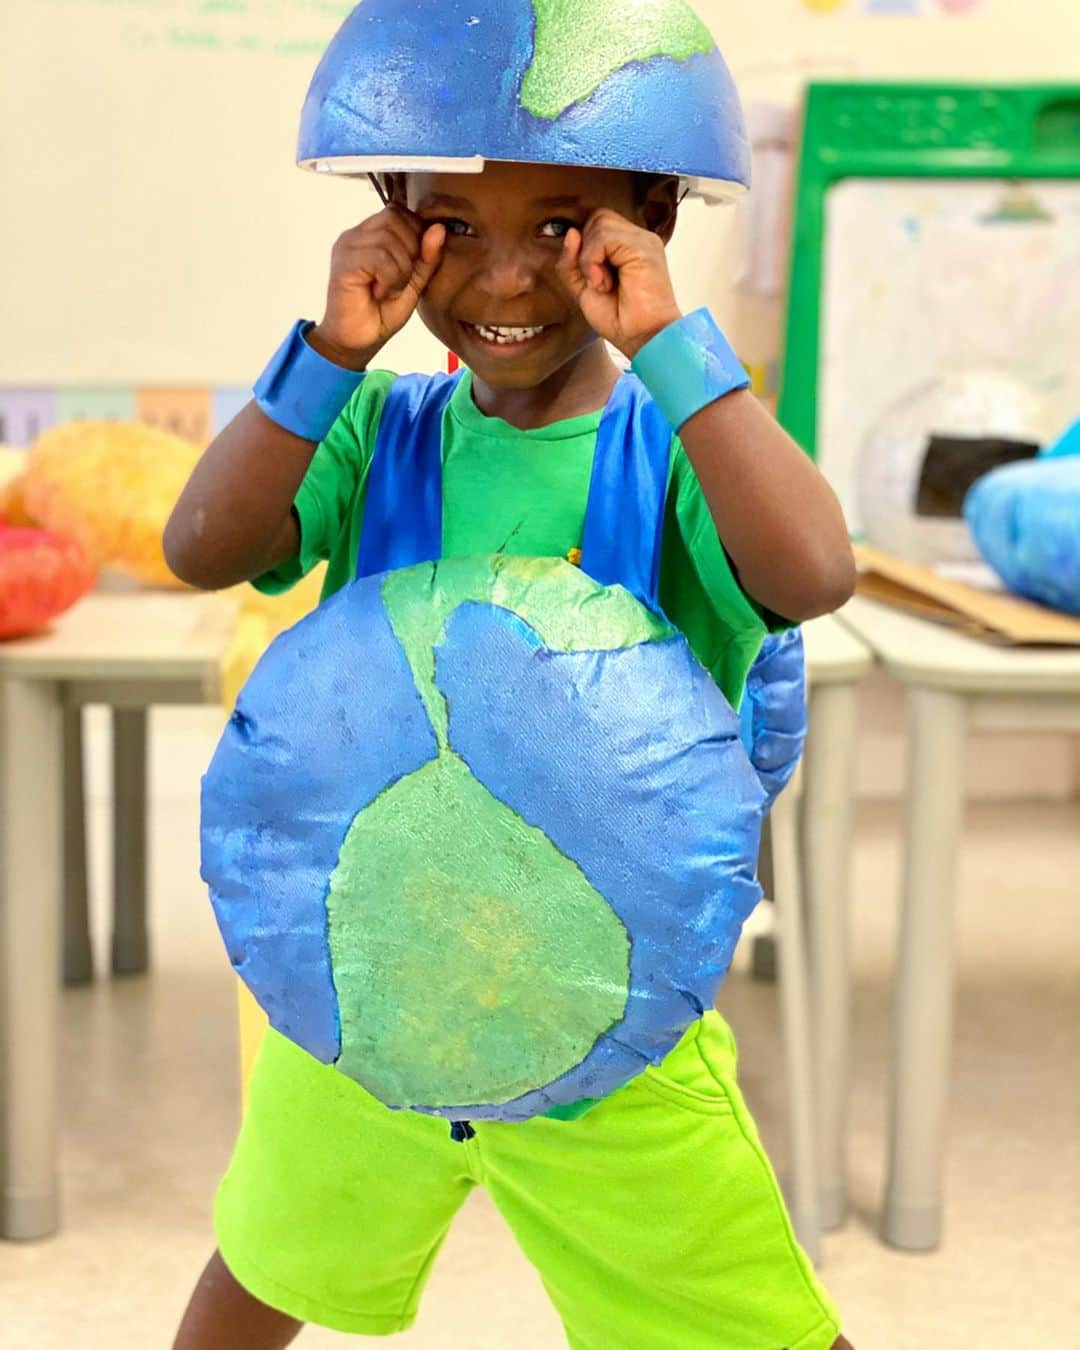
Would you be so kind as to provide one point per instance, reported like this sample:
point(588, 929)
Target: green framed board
point(865, 141)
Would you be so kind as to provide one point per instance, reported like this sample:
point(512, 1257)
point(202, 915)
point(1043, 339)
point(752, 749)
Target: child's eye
point(558, 227)
point(457, 229)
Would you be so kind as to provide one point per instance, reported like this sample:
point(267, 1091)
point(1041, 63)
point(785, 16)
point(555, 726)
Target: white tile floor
point(150, 1104)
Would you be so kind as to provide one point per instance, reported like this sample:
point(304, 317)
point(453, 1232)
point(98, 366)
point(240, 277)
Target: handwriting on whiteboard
point(257, 27)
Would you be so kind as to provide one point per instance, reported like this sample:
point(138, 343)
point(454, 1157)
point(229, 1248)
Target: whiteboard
point(155, 229)
point(928, 277)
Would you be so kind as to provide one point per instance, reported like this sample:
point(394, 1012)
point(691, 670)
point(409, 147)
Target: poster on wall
point(896, 8)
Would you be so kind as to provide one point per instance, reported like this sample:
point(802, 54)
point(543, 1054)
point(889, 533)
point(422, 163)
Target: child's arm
point(777, 516)
point(779, 520)
point(234, 520)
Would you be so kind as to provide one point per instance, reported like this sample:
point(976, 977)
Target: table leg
point(796, 1018)
point(78, 949)
point(763, 958)
point(130, 945)
point(925, 976)
point(30, 916)
point(829, 772)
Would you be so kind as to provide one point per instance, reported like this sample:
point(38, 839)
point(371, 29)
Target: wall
point(155, 230)
point(773, 43)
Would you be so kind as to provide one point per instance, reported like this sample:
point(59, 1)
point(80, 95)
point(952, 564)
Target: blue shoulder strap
point(403, 504)
point(624, 525)
point(624, 521)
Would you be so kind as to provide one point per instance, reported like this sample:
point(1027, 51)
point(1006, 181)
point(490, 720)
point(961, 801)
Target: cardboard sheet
point(1005, 620)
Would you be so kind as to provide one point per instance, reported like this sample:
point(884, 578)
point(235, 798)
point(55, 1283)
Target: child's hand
point(379, 271)
point(618, 274)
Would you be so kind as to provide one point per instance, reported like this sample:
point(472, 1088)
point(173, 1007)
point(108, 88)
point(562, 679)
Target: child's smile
point(502, 341)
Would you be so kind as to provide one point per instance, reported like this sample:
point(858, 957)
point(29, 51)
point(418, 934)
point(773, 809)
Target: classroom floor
point(150, 1106)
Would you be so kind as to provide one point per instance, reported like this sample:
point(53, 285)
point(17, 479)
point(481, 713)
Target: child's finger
point(594, 265)
point(391, 268)
point(567, 268)
point(572, 246)
point(388, 222)
point(431, 255)
point(407, 227)
point(421, 269)
point(432, 243)
point(402, 259)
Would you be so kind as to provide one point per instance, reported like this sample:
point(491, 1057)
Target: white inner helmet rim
point(711, 190)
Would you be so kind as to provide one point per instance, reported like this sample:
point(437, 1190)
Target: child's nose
point(505, 273)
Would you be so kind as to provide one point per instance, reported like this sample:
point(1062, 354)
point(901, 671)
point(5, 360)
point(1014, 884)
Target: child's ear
point(660, 209)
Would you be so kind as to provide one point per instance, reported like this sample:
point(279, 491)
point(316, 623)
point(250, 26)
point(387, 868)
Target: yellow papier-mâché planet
point(111, 486)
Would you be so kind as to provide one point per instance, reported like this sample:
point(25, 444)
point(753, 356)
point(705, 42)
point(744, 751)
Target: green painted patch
point(473, 961)
point(580, 43)
point(553, 597)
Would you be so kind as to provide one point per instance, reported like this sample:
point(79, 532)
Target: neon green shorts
point(655, 1221)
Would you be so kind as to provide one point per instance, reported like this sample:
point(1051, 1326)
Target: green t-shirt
point(525, 492)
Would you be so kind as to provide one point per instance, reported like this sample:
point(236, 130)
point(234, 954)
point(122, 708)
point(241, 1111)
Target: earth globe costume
point(482, 832)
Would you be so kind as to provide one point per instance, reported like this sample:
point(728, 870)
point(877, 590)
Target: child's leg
point(655, 1221)
point(332, 1211)
point(224, 1316)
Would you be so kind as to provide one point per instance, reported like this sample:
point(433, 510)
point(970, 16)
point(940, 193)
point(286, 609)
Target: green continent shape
point(567, 609)
point(473, 961)
point(581, 43)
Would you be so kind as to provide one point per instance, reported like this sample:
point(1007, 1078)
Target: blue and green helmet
point(445, 85)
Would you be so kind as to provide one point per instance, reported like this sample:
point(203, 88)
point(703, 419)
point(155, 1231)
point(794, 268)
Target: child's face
point(505, 232)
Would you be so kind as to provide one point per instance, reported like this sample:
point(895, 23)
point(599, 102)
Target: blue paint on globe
point(1026, 521)
point(630, 763)
point(445, 80)
point(774, 711)
point(326, 723)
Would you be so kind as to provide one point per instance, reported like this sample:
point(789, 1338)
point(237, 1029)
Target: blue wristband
point(303, 391)
point(689, 365)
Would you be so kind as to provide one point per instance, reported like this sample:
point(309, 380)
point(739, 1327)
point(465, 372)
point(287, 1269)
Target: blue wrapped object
point(1069, 444)
point(1026, 522)
point(446, 85)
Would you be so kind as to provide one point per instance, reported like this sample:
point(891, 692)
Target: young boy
point(654, 1220)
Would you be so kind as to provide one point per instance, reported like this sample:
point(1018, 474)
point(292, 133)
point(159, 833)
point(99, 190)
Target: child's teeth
point(502, 336)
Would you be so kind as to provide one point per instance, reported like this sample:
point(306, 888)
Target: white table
point(836, 663)
point(814, 880)
point(955, 684)
point(129, 651)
